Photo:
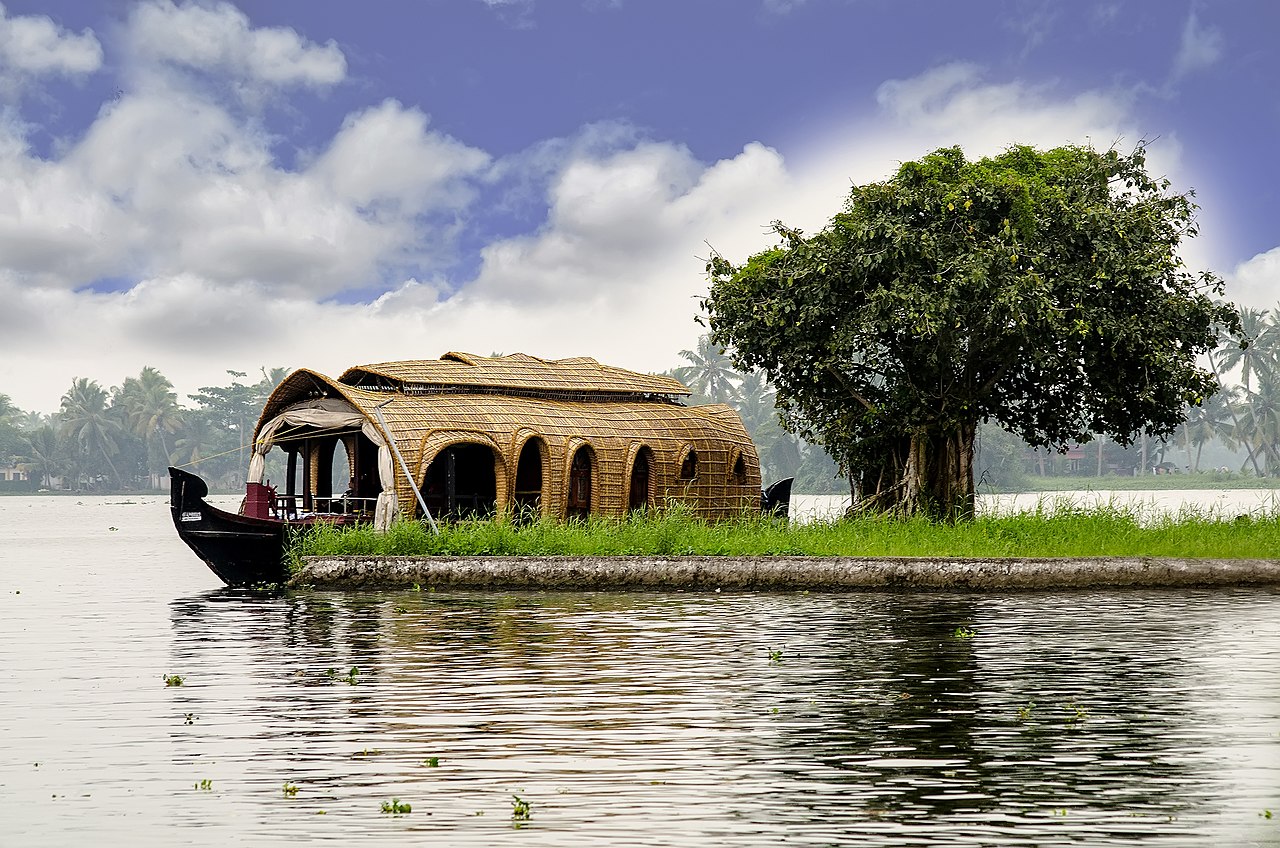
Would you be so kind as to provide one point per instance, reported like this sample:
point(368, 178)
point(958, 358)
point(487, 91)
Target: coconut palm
point(1261, 420)
point(709, 373)
point(8, 412)
point(88, 422)
point(1209, 420)
point(150, 410)
point(47, 452)
point(1254, 360)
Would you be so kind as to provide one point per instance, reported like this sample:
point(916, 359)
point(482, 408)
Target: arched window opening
point(639, 497)
point(461, 483)
point(528, 493)
point(689, 466)
point(578, 504)
point(740, 471)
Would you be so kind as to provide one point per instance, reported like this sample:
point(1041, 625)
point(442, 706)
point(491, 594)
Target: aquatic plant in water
point(289, 789)
point(172, 679)
point(396, 807)
point(520, 809)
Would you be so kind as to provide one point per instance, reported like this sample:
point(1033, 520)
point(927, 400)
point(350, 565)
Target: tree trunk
point(938, 475)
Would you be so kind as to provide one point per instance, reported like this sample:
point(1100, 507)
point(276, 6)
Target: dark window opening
point(579, 501)
point(740, 471)
point(461, 483)
point(528, 494)
point(640, 474)
point(689, 467)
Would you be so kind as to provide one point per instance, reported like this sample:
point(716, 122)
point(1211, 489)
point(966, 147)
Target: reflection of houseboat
point(473, 436)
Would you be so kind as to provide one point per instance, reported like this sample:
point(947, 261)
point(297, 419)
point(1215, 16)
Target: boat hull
point(240, 550)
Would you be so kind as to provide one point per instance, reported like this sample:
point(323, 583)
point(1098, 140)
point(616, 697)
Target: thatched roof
point(504, 402)
point(518, 372)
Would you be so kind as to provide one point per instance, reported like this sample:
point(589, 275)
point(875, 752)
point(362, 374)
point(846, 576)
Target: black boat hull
point(240, 550)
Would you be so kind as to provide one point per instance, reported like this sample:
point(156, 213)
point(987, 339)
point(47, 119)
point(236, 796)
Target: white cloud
point(166, 183)
point(219, 38)
point(1201, 47)
point(239, 252)
point(385, 155)
point(1256, 282)
point(34, 44)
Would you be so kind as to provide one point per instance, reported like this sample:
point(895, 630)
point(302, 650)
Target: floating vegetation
point(1024, 713)
point(963, 632)
point(1078, 713)
point(205, 785)
point(172, 679)
point(1266, 814)
point(431, 762)
point(520, 809)
point(396, 807)
point(775, 655)
point(289, 789)
point(352, 676)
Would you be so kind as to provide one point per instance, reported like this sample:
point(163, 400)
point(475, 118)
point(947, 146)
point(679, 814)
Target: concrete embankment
point(822, 574)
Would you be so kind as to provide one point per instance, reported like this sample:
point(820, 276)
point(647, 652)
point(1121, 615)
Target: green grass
point(1052, 530)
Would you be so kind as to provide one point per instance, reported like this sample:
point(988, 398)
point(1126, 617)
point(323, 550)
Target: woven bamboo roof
point(422, 423)
point(518, 372)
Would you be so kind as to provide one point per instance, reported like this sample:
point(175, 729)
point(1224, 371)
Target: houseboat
point(472, 436)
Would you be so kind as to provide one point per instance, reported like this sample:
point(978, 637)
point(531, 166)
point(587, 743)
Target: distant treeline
point(124, 438)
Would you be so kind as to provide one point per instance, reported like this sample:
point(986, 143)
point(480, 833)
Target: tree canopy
point(1042, 290)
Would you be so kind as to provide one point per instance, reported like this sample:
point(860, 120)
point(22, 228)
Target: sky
point(213, 186)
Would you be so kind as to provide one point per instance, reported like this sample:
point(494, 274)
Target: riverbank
point(1063, 533)
point(776, 574)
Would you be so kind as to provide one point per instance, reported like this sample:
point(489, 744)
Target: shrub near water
point(1047, 532)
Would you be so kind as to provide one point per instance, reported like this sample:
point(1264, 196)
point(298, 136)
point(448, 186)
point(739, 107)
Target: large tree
point(1039, 290)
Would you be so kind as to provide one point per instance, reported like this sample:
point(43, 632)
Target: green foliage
point(520, 809)
point(172, 679)
point(397, 807)
point(1053, 529)
point(1038, 290)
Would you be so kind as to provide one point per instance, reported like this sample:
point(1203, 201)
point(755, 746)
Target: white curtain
point(332, 414)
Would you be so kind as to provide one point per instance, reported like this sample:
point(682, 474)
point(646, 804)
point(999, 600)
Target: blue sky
point(205, 186)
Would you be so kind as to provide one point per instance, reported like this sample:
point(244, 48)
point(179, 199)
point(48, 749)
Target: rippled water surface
point(1117, 718)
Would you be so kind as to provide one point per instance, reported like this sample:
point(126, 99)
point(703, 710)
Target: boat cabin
point(467, 435)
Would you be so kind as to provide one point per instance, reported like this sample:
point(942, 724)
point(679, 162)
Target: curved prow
point(239, 549)
point(776, 500)
point(186, 489)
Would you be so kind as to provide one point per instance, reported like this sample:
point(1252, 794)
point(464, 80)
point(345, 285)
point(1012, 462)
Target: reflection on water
point(1138, 717)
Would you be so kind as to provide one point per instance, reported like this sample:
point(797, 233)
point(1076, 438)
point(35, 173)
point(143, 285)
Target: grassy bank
point(1105, 531)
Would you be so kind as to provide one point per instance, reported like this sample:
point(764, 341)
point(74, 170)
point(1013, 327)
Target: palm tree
point(46, 452)
point(1209, 420)
point(709, 373)
point(8, 411)
point(150, 410)
point(1254, 360)
point(87, 420)
point(1261, 420)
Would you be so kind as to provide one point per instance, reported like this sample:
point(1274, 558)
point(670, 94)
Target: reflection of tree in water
point(886, 720)
point(915, 719)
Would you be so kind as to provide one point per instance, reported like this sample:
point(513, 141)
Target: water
point(622, 719)
point(1220, 503)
